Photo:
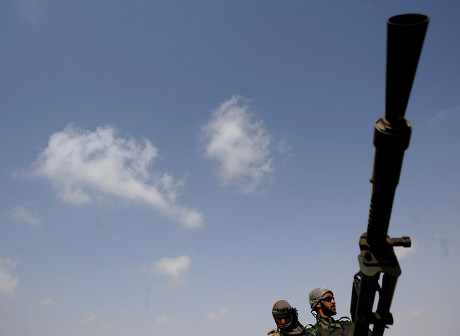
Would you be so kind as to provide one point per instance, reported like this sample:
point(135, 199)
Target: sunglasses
point(327, 298)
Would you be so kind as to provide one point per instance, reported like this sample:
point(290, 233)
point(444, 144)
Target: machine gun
point(405, 35)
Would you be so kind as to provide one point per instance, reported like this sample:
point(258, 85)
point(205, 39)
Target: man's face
point(282, 319)
point(326, 307)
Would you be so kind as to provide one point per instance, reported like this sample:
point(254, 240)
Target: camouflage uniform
point(277, 332)
point(327, 326)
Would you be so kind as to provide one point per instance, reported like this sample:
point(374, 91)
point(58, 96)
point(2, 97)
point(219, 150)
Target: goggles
point(327, 298)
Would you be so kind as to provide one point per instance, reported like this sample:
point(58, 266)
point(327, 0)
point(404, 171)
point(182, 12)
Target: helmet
point(316, 295)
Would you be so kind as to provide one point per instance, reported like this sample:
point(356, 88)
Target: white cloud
point(8, 282)
point(214, 316)
point(22, 214)
point(162, 320)
point(95, 321)
point(239, 144)
point(175, 269)
point(46, 302)
point(83, 165)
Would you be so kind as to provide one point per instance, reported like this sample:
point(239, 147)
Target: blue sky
point(179, 166)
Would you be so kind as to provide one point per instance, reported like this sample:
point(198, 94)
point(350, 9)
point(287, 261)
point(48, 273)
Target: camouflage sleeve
point(310, 330)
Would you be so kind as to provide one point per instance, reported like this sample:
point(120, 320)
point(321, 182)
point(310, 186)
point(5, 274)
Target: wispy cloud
point(29, 9)
point(95, 321)
point(8, 282)
point(215, 316)
point(22, 214)
point(444, 114)
point(162, 321)
point(46, 302)
point(83, 165)
point(175, 269)
point(415, 314)
point(240, 144)
point(36, 328)
point(444, 245)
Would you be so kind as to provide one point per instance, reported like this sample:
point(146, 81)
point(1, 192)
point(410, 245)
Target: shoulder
point(311, 330)
point(344, 321)
point(273, 332)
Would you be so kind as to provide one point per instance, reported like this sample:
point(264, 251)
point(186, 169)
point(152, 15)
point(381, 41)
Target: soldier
point(322, 305)
point(286, 319)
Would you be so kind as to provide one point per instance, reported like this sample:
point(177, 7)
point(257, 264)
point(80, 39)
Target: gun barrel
point(405, 35)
